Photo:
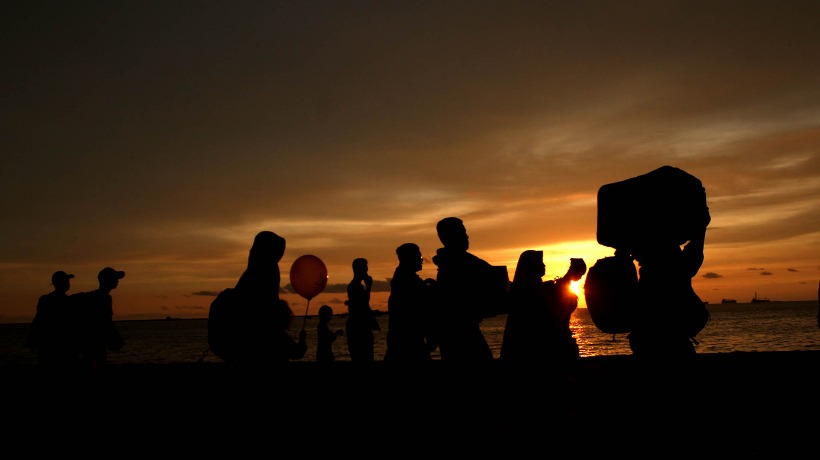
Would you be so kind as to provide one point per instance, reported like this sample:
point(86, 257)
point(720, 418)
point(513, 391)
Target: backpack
point(611, 292)
point(225, 325)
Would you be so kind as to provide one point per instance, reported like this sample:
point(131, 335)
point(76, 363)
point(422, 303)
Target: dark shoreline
point(741, 403)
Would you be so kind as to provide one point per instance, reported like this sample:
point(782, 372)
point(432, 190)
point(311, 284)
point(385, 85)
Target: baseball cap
point(60, 275)
point(110, 273)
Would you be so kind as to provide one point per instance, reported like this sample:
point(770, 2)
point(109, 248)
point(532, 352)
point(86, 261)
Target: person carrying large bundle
point(658, 219)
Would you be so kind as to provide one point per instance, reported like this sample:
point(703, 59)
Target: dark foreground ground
point(737, 404)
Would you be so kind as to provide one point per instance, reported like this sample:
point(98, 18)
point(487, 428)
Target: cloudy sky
point(159, 137)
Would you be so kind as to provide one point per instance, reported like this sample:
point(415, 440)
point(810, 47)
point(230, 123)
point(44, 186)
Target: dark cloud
point(792, 269)
point(711, 275)
point(190, 307)
point(765, 273)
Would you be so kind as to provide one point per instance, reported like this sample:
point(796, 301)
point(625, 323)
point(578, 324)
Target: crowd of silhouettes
point(249, 323)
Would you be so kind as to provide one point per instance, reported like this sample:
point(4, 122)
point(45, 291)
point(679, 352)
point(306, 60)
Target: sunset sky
point(159, 137)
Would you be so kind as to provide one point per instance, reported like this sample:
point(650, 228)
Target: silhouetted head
point(261, 278)
point(530, 266)
point(453, 234)
point(60, 281)
point(359, 266)
point(410, 255)
point(109, 278)
point(325, 312)
point(267, 248)
point(577, 268)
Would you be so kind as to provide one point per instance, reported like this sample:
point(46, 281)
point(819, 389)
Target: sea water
point(771, 326)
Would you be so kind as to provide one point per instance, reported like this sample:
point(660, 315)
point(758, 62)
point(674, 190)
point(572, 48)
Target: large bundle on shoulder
point(662, 206)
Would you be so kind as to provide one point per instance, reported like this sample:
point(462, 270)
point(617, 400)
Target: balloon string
point(306, 313)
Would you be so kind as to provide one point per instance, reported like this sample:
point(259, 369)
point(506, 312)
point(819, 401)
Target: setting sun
point(576, 287)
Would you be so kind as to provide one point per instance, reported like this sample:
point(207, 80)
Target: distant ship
point(728, 301)
point(757, 299)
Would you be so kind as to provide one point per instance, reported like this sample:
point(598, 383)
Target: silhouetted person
point(658, 219)
point(248, 323)
point(409, 325)
point(97, 333)
point(538, 350)
point(537, 334)
point(463, 299)
point(325, 336)
point(51, 333)
point(668, 306)
point(361, 322)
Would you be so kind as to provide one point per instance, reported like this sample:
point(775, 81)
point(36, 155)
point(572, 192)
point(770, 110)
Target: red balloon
point(308, 276)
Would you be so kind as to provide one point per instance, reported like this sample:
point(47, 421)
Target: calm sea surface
point(774, 326)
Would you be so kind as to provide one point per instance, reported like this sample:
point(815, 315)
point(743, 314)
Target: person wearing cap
point(51, 331)
point(97, 333)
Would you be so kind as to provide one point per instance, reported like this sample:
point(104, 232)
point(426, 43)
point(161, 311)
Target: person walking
point(97, 333)
point(538, 349)
point(537, 332)
point(464, 296)
point(410, 337)
point(665, 333)
point(51, 333)
point(249, 323)
point(361, 322)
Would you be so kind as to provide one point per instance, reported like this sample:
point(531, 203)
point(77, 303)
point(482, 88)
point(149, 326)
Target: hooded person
point(261, 278)
point(247, 323)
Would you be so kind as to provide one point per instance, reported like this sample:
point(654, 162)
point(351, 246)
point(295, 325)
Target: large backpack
point(225, 325)
point(611, 292)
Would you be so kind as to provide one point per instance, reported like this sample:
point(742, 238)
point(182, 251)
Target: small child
point(325, 337)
